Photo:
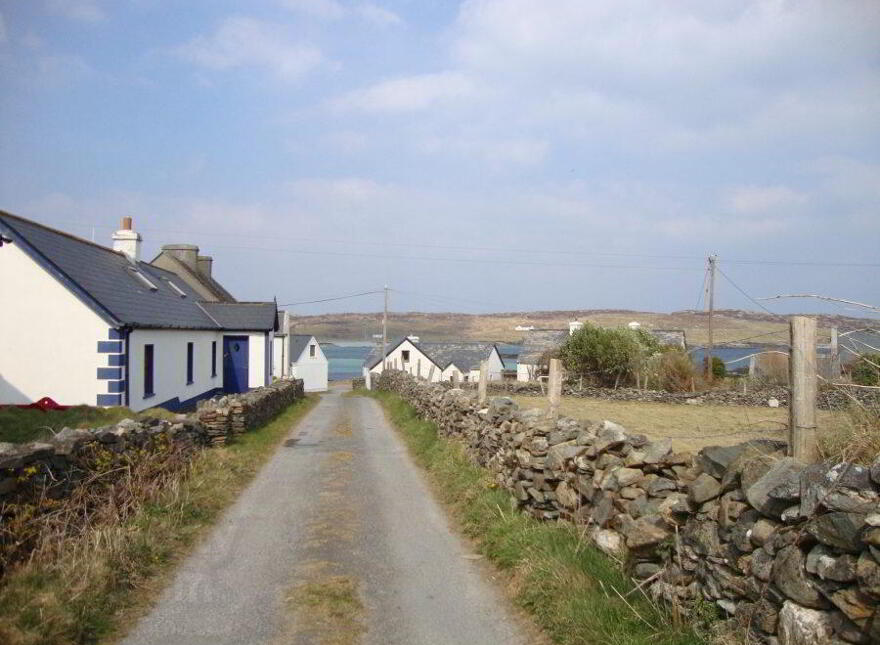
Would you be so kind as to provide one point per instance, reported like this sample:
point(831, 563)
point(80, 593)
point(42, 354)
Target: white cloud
point(347, 141)
point(333, 10)
point(494, 151)
point(758, 200)
point(410, 93)
point(247, 42)
point(378, 15)
point(324, 9)
point(87, 11)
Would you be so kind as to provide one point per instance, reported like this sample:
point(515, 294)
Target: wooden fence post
point(835, 355)
point(484, 377)
point(554, 386)
point(431, 374)
point(802, 440)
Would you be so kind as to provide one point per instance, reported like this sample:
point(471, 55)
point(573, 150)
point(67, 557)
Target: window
point(213, 358)
point(148, 371)
point(189, 362)
point(311, 351)
point(180, 292)
point(405, 355)
point(144, 280)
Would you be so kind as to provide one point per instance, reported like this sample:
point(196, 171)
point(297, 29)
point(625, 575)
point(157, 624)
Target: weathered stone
point(824, 563)
point(851, 501)
point(645, 532)
point(773, 492)
point(791, 578)
point(609, 437)
point(656, 451)
point(610, 542)
point(675, 504)
point(818, 480)
point(871, 537)
point(559, 454)
point(634, 458)
point(603, 508)
point(536, 495)
point(703, 488)
point(702, 537)
point(644, 570)
point(803, 626)
point(631, 492)
point(868, 573)
point(627, 476)
point(661, 485)
point(567, 496)
point(856, 605)
point(762, 531)
point(839, 530)
point(791, 515)
point(762, 565)
point(875, 471)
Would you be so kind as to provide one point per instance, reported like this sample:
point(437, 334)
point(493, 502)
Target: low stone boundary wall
point(827, 400)
point(789, 551)
point(33, 472)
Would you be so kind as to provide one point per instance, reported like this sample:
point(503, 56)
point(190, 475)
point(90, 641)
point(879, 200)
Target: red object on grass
point(45, 404)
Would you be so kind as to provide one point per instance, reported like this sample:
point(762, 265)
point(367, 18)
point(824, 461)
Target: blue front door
point(235, 364)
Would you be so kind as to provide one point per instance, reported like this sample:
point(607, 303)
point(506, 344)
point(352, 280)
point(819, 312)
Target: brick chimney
point(205, 263)
point(127, 240)
point(186, 253)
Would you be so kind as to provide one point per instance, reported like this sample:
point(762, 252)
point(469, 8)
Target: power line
point(311, 302)
point(736, 286)
point(702, 290)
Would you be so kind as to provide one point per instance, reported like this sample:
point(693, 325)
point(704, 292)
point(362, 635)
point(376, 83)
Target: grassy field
point(572, 590)
point(729, 325)
point(691, 426)
point(88, 587)
point(19, 425)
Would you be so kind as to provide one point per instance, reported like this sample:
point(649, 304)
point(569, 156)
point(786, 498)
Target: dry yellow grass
point(691, 427)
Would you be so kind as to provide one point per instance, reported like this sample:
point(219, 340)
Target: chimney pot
point(127, 241)
point(126, 223)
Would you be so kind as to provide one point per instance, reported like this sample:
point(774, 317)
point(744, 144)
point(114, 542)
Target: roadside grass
point(692, 427)
point(575, 593)
point(89, 586)
point(19, 425)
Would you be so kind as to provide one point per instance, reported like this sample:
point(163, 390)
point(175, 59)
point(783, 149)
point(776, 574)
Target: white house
point(86, 324)
point(437, 361)
point(308, 362)
point(536, 345)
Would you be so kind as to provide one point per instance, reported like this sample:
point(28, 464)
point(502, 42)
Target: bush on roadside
point(608, 357)
point(675, 371)
point(866, 371)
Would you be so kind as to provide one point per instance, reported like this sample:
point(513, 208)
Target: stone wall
point(53, 468)
point(791, 552)
point(838, 398)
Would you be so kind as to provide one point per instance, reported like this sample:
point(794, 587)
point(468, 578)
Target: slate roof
point(208, 283)
point(243, 316)
point(670, 337)
point(106, 280)
point(298, 343)
point(539, 341)
point(464, 355)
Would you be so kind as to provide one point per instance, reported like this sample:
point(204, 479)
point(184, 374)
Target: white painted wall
point(48, 337)
point(525, 372)
point(414, 367)
point(496, 367)
point(169, 365)
point(281, 356)
point(311, 369)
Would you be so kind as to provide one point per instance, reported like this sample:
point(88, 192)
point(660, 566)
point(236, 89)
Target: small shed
point(308, 362)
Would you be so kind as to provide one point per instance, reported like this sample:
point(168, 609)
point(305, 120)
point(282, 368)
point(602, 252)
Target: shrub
point(866, 371)
point(609, 357)
point(674, 371)
point(719, 369)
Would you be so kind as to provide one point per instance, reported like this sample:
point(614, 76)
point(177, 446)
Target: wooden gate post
point(802, 440)
point(483, 384)
point(554, 386)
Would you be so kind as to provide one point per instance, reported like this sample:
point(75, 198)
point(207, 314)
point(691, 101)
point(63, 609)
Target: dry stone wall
point(790, 551)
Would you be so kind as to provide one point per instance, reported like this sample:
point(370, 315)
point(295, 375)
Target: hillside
point(730, 324)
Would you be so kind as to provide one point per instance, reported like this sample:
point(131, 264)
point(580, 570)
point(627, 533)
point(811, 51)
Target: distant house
point(86, 324)
point(437, 361)
point(670, 337)
point(308, 362)
point(536, 345)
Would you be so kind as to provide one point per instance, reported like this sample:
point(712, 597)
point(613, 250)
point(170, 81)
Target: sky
point(487, 155)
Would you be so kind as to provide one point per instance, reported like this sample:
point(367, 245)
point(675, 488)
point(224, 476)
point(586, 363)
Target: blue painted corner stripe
point(114, 334)
point(109, 346)
point(116, 387)
point(115, 360)
point(109, 399)
point(109, 373)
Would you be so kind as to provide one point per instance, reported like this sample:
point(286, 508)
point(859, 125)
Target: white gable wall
point(496, 367)
point(48, 337)
point(418, 365)
point(311, 369)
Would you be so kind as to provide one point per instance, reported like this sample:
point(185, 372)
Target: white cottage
point(86, 324)
point(308, 362)
point(437, 361)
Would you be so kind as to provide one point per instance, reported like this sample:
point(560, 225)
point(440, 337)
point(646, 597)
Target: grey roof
point(298, 343)
point(244, 316)
point(538, 341)
point(208, 283)
point(106, 280)
point(670, 337)
point(464, 355)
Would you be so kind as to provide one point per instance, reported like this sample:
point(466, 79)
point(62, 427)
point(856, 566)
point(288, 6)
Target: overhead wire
point(738, 288)
point(311, 302)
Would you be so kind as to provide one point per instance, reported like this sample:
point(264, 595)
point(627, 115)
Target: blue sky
point(489, 155)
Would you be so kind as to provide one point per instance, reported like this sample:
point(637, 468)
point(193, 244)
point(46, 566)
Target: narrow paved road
point(339, 507)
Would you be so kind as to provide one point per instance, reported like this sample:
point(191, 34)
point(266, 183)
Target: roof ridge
point(56, 231)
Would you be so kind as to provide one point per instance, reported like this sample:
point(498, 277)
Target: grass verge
point(574, 592)
point(88, 586)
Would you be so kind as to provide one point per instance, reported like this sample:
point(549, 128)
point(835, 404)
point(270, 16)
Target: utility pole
point(710, 303)
point(385, 332)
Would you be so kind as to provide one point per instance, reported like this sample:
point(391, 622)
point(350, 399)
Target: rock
point(791, 515)
point(703, 488)
point(875, 471)
point(645, 532)
point(655, 451)
point(659, 486)
point(871, 537)
point(673, 505)
point(856, 605)
point(773, 492)
point(644, 570)
point(762, 531)
point(610, 542)
point(791, 578)
point(631, 492)
point(609, 437)
point(603, 508)
point(567, 496)
point(773, 403)
point(868, 574)
point(559, 454)
point(818, 480)
point(803, 626)
point(762, 565)
point(635, 458)
point(824, 563)
point(702, 537)
point(873, 519)
point(851, 501)
point(627, 476)
point(839, 530)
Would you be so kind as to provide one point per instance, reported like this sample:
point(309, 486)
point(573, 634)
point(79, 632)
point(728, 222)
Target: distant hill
point(730, 324)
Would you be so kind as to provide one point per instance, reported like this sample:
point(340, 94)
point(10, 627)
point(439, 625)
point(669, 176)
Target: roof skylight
point(144, 280)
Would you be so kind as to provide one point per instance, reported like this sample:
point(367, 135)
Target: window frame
point(312, 351)
point(213, 358)
point(404, 356)
point(149, 370)
point(190, 362)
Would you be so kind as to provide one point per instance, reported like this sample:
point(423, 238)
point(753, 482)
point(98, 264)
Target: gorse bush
point(608, 357)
